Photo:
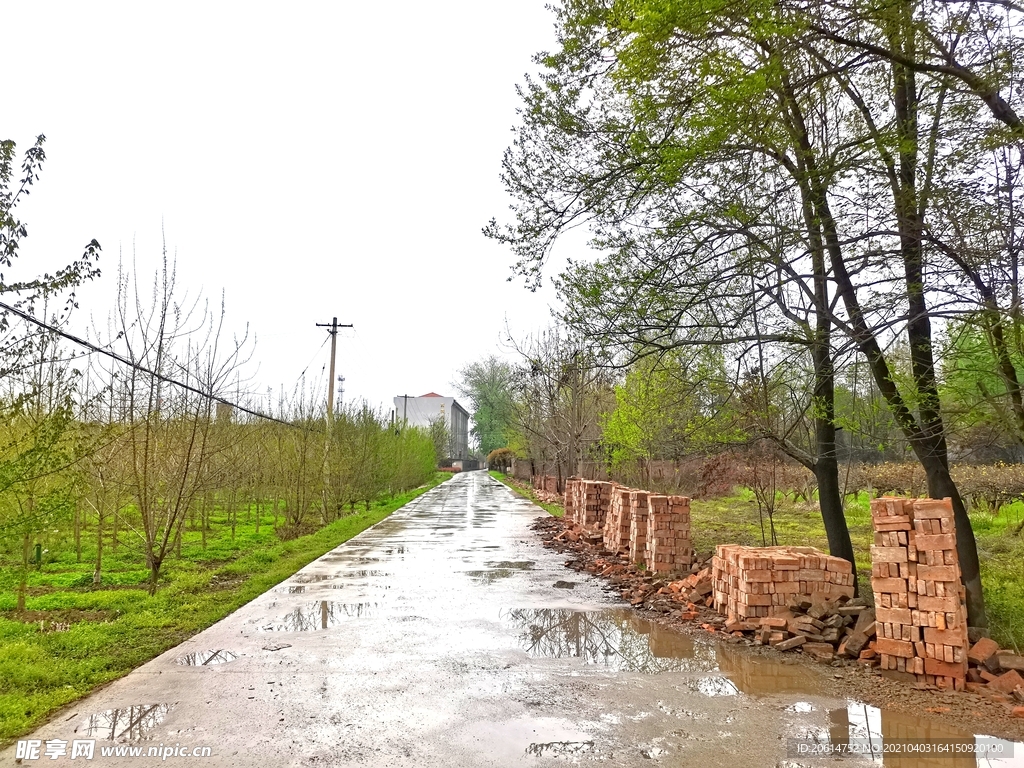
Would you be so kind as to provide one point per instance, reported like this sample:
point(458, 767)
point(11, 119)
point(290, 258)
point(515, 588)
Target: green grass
point(119, 626)
point(524, 490)
point(734, 519)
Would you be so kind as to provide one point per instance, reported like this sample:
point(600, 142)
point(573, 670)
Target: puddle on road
point(125, 724)
point(564, 584)
point(322, 614)
point(866, 727)
point(614, 638)
point(491, 575)
point(532, 737)
point(206, 658)
point(514, 565)
point(309, 578)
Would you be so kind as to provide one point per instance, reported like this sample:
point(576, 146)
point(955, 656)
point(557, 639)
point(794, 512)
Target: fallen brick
point(1008, 661)
point(793, 642)
point(820, 651)
point(1007, 681)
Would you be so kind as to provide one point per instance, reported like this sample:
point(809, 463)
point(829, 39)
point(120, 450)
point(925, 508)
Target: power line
point(136, 366)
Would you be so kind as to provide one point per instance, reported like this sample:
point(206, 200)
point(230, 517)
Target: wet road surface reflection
point(614, 638)
point(127, 724)
point(446, 635)
point(205, 658)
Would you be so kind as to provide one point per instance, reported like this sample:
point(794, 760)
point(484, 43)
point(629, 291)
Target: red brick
point(982, 650)
point(945, 669)
point(943, 604)
point(888, 554)
point(938, 573)
point(945, 636)
point(900, 648)
point(939, 541)
point(888, 585)
point(893, 616)
point(933, 508)
point(1007, 682)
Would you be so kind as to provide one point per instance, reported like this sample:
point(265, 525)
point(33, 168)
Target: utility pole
point(332, 328)
point(405, 410)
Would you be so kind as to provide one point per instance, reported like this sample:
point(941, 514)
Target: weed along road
point(446, 635)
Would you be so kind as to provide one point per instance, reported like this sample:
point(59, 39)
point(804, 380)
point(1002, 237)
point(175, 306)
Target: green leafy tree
point(670, 407)
point(487, 385)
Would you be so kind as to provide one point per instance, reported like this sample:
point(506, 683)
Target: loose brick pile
point(749, 582)
point(669, 547)
point(915, 575)
point(638, 526)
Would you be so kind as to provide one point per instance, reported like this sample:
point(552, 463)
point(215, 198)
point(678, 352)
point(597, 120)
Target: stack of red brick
point(593, 498)
point(621, 517)
point(915, 575)
point(638, 526)
point(616, 522)
point(571, 501)
point(548, 483)
point(753, 582)
point(669, 547)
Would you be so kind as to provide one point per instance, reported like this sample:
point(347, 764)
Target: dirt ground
point(841, 677)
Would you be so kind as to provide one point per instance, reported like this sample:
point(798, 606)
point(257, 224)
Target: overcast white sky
point(312, 159)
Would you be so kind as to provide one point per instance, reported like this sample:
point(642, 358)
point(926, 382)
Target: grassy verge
point(74, 638)
point(527, 491)
point(735, 519)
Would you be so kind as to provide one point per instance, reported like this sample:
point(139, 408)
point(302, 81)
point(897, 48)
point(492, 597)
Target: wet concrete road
point(447, 636)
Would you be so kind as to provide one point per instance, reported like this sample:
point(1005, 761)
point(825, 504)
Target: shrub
point(500, 459)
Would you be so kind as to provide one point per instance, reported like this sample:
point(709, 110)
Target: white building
point(423, 410)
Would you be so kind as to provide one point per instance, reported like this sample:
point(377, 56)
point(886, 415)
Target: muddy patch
point(60, 620)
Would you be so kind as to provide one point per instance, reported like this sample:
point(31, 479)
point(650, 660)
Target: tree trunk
point(23, 584)
point(97, 573)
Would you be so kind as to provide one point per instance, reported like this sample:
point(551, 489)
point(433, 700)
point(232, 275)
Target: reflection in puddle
point(127, 724)
point(307, 578)
point(321, 614)
point(614, 638)
point(758, 675)
point(205, 658)
point(872, 728)
point(564, 584)
point(296, 590)
point(491, 575)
